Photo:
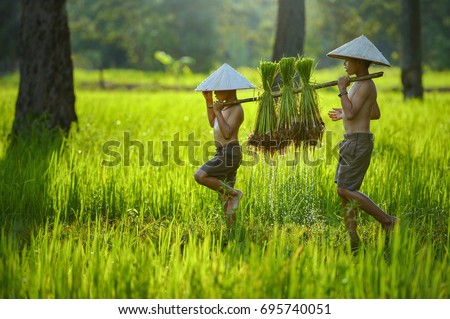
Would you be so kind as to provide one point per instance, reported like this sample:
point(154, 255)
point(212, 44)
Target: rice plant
point(263, 137)
point(288, 118)
point(311, 123)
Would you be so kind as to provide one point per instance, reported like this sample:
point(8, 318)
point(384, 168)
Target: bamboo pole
point(316, 86)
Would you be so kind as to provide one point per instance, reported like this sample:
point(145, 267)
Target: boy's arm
point(352, 107)
point(336, 114)
point(209, 105)
point(376, 114)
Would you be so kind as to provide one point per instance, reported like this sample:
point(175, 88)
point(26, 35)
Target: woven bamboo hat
point(360, 48)
point(223, 79)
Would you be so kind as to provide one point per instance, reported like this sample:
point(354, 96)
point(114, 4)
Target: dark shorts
point(225, 163)
point(354, 159)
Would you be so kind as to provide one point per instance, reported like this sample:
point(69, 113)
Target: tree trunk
point(9, 33)
point(46, 94)
point(411, 58)
point(290, 35)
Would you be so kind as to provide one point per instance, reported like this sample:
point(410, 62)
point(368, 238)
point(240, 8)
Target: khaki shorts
point(225, 163)
point(354, 159)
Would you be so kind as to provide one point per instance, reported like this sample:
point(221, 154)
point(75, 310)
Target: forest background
point(126, 34)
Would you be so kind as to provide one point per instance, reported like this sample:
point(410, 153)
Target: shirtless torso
point(363, 98)
point(231, 121)
point(360, 105)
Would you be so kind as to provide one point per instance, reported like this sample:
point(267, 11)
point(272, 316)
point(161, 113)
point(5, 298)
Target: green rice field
point(113, 210)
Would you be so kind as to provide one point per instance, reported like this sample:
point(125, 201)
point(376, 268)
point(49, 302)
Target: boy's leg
point(214, 183)
point(224, 200)
point(219, 174)
point(232, 195)
point(366, 204)
point(233, 202)
point(350, 222)
point(230, 216)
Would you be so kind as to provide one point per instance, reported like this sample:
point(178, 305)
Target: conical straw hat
point(223, 79)
point(360, 48)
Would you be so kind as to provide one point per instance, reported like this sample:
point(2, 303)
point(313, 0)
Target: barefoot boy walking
point(219, 173)
point(359, 106)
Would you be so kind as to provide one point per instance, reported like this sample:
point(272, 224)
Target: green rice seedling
point(288, 118)
point(263, 136)
point(311, 123)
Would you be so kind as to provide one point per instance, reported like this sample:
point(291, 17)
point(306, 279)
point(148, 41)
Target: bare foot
point(233, 203)
point(225, 206)
point(390, 226)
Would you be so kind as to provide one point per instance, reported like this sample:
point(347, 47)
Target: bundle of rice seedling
point(311, 124)
point(288, 116)
point(263, 136)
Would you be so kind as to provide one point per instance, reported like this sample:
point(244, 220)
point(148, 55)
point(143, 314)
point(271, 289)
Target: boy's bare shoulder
point(238, 109)
point(369, 84)
point(368, 87)
point(237, 113)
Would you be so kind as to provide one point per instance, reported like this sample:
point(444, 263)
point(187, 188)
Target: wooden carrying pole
point(316, 86)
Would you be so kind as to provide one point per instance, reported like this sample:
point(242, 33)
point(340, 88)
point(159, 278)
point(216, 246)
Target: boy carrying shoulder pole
point(219, 173)
point(358, 107)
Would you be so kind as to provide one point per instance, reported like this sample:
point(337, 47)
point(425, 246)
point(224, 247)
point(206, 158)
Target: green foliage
point(115, 33)
point(375, 19)
point(379, 21)
point(246, 31)
point(126, 34)
point(72, 228)
point(435, 34)
point(175, 67)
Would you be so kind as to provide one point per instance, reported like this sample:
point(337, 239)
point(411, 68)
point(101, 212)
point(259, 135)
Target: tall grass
point(72, 228)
